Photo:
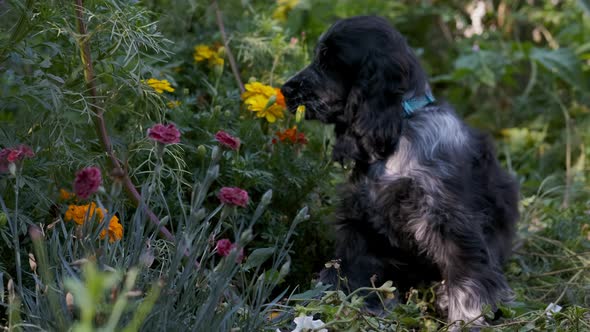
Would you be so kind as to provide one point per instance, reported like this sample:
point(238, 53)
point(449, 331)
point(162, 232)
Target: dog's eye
point(322, 58)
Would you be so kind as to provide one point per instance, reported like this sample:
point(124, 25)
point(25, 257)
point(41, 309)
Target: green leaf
point(487, 77)
point(562, 62)
point(258, 257)
point(311, 294)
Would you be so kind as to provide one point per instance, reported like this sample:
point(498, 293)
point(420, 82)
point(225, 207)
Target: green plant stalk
point(232, 61)
point(144, 309)
point(13, 311)
point(15, 236)
point(100, 125)
point(121, 303)
point(46, 276)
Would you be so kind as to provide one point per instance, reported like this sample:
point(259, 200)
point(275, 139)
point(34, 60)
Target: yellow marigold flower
point(202, 53)
point(206, 53)
point(262, 99)
point(65, 195)
point(173, 103)
point(160, 85)
point(283, 8)
point(115, 230)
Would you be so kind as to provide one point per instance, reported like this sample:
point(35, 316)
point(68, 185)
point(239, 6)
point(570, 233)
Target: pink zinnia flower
point(166, 134)
point(87, 182)
point(227, 140)
point(233, 196)
point(224, 248)
point(14, 155)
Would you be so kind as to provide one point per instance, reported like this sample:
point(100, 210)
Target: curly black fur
point(427, 200)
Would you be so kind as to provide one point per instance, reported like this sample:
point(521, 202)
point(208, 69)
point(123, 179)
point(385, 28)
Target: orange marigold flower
point(65, 195)
point(115, 230)
point(280, 98)
point(80, 213)
point(291, 135)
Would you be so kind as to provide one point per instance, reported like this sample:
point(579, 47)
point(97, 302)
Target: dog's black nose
point(288, 89)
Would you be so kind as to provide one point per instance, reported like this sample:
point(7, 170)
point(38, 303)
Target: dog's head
point(361, 70)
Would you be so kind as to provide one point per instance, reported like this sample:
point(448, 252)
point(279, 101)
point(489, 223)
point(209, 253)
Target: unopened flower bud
point(265, 200)
point(36, 233)
point(201, 151)
point(33, 263)
point(271, 101)
point(3, 219)
point(147, 258)
point(70, 302)
point(285, 268)
point(116, 188)
point(12, 169)
point(11, 291)
point(246, 236)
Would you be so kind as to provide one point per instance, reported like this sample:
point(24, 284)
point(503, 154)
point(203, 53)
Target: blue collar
point(415, 103)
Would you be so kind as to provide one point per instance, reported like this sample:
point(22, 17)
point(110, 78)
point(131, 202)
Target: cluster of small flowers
point(81, 213)
point(290, 135)
point(269, 103)
point(159, 85)
point(213, 55)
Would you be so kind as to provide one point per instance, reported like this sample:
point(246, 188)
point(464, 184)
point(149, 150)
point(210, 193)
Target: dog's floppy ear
point(374, 105)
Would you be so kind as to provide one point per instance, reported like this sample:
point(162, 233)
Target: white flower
point(306, 323)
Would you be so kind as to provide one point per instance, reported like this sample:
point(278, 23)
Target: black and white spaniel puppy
point(427, 199)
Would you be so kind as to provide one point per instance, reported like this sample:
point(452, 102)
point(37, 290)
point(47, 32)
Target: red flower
point(19, 153)
point(87, 182)
point(224, 248)
point(165, 134)
point(233, 196)
point(291, 135)
point(227, 140)
point(13, 155)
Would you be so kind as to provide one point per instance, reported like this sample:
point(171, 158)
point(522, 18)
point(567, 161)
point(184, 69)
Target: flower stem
point(100, 125)
point(15, 235)
point(230, 56)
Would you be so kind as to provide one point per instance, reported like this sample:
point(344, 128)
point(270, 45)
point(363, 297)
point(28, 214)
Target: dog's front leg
point(355, 265)
point(359, 248)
